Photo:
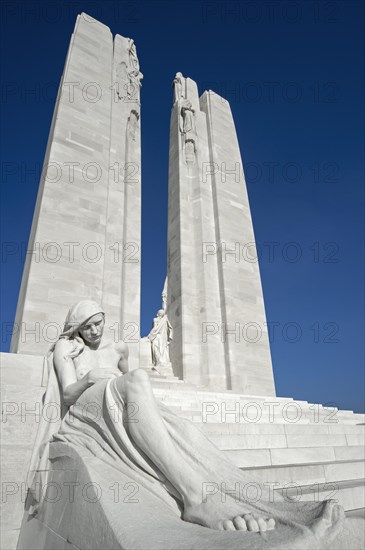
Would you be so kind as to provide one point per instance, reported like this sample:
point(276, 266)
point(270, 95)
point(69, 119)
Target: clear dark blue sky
point(293, 73)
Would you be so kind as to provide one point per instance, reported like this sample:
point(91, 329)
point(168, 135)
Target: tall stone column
point(193, 287)
point(122, 266)
point(85, 236)
point(215, 300)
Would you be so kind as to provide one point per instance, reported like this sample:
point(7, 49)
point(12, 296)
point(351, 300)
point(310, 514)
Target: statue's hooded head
point(78, 316)
point(76, 328)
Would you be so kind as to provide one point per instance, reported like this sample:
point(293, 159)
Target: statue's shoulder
point(63, 345)
point(63, 349)
point(121, 347)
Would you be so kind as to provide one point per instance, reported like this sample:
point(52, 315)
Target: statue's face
point(92, 331)
point(160, 313)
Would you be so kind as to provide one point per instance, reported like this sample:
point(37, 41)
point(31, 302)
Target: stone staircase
point(304, 450)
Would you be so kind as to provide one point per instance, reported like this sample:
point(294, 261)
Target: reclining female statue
point(148, 438)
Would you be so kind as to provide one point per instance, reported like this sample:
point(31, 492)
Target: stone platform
point(303, 449)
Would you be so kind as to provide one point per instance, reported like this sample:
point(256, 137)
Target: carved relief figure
point(132, 125)
point(135, 78)
point(188, 118)
point(122, 80)
point(128, 77)
point(134, 74)
point(133, 59)
point(190, 151)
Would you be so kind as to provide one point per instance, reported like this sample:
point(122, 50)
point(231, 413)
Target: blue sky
point(293, 73)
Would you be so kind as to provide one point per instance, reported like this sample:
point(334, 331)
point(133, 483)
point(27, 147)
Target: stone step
point(245, 458)
point(306, 474)
point(199, 417)
point(159, 382)
point(191, 398)
point(356, 512)
point(271, 428)
point(188, 391)
point(272, 441)
point(171, 398)
point(260, 417)
point(350, 494)
point(251, 408)
point(231, 405)
point(253, 414)
point(191, 391)
point(154, 375)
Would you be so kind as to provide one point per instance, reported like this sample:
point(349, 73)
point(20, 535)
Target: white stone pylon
point(215, 301)
point(85, 237)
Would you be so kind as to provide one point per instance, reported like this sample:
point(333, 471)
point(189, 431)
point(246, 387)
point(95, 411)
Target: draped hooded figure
point(189, 494)
point(160, 337)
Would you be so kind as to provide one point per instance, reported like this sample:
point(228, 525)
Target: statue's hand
point(95, 375)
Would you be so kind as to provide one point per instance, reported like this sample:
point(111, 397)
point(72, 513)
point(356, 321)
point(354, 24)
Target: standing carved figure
point(178, 85)
point(160, 338)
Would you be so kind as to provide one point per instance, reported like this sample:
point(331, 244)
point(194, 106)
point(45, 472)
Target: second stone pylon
point(214, 299)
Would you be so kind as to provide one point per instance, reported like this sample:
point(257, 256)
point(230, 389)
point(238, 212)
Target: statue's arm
point(65, 369)
point(123, 352)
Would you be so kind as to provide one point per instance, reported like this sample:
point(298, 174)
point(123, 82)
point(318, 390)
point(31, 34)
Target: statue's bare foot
point(209, 515)
point(247, 522)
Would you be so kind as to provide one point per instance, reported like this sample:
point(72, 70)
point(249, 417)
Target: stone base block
point(96, 520)
point(21, 395)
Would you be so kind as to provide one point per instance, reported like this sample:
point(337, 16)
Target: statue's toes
point(239, 523)
point(251, 523)
point(228, 525)
point(262, 524)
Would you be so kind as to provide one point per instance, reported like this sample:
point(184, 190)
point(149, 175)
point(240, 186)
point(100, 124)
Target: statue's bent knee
point(139, 378)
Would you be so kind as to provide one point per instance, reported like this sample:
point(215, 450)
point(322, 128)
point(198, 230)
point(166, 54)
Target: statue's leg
point(158, 349)
point(153, 438)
